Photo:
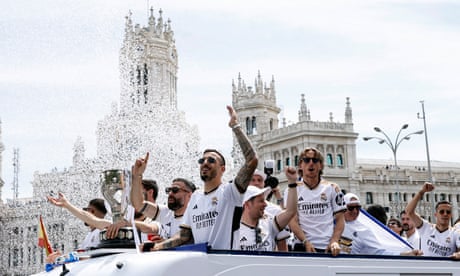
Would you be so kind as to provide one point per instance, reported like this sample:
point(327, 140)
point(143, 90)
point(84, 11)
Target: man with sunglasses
point(438, 239)
point(258, 230)
point(319, 222)
point(214, 212)
point(179, 194)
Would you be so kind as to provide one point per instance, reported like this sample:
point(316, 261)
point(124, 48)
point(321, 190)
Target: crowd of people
point(312, 215)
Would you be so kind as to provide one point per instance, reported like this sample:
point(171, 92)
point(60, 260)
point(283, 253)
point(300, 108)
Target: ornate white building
point(145, 120)
point(372, 180)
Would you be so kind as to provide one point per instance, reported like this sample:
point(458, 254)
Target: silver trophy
point(114, 187)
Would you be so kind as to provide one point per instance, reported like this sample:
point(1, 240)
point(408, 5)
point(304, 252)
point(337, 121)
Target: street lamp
point(393, 145)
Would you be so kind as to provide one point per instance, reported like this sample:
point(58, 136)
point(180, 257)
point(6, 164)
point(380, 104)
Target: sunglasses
point(210, 160)
point(351, 208)
point(174, 190)
point(258, 235)
point(444, 211)
point(308, 159)
point(89, 209)
point(394, 224)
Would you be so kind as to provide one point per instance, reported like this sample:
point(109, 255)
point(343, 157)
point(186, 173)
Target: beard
point(175, 204)
point(208, 177)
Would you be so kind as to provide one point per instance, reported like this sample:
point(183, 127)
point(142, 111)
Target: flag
point(43, 241)
point(392, 241)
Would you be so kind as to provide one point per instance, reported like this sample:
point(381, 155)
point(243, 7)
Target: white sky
point(59, 69)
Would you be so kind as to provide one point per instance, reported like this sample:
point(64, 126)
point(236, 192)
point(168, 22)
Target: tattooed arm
point(183, 236)
point(245, 173)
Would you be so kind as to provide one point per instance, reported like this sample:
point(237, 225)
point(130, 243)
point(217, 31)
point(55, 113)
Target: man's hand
point(233, 118)
point(61, 201)
point(427, 187)
point(112, 230)
point(334, 248)
point(139, 166)
point(291, 174)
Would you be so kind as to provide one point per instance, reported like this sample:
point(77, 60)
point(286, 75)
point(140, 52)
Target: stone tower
point(148, 66)
point(256, 106)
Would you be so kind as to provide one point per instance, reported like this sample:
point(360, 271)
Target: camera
point(270, 181)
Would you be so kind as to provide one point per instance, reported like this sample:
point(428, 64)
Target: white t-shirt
point(316, 209)
point(91, 239)
point(210, 216)
point(267, 231)
point(414, 240)
point(435, 243)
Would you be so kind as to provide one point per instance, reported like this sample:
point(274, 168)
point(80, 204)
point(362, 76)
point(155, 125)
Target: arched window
point(254, 125)
point(271, 124)
point(248, 126)
point(278, 165)
point(296, 160)
point(339, 160)
point(288, 161)
point(329, 160)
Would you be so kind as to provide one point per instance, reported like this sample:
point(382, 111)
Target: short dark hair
point(442, 202)
point(150, 184)
point(187, 183)
point(98, 203)
point(378, 212)
point(217, 152)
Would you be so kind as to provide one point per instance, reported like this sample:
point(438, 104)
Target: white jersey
point(435, 243)
point(260, 238)
point(272, 210)
point(316, 209)
point(414, 240)
point(359, 239)
point(171, 227)
point(210, 215)
point(91, 239)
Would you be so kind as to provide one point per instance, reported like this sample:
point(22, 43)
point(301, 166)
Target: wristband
point(279, 201)
point(292, 185)
point(143, 208)
point(236, 126)
point(304, 241)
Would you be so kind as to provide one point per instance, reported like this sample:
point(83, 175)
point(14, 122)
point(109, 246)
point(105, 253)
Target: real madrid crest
point(323, 197)
point(214, 200)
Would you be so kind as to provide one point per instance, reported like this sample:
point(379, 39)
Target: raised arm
point(244, 175)
point(83, 215)
point(410, 208)
point(149, 209)
point(286, 215)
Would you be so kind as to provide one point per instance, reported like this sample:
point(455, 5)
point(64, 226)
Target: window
point(296, 160)
point(271, 124)
point(390, 197)
point(278, 165)
point(248, 126)
point(288, 161)
point(369, 198)
point(329, 159)
point(339, 160)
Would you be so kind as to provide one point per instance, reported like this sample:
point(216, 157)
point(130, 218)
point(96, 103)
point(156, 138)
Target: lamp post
point(393, 145)
point(427, 154)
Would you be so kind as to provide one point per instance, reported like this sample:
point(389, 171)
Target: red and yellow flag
point(43, 241)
